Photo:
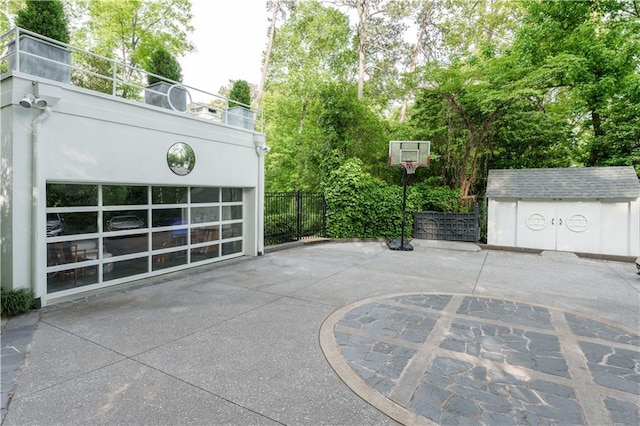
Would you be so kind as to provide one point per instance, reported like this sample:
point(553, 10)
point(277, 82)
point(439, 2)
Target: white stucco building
point(99, 190)
point(585, 210)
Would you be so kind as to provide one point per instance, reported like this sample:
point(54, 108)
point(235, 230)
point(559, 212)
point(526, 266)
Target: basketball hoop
point(410, 166)
point(410, 155)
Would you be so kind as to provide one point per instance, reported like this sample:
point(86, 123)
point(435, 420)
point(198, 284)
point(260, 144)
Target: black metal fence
point(447, 226)
point(291, 216)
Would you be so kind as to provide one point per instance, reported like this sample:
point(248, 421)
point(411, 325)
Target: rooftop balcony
point(25, 52)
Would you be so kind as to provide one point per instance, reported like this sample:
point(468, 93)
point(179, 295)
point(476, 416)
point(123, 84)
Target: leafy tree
point(424, 16)
point(310, 50)
point(164, 64)
point(312, 46)
point(459, 114)
point(240, 94)
point(277, 8)
point(337, 126)
point(350, 128)
point(533, 133)
point(479, 28)
point(46, 18)
point(130, 30)
point(8, 12)
point(594, 48)
point(620, 143)
point(379, 31)
point(101, 72)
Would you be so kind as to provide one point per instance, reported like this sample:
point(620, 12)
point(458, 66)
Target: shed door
point(536, 225)
point(578, 227)
point(559, 225)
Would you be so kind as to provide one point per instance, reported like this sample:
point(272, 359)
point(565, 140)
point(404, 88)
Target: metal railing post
point(113, 77)
point(17, 36)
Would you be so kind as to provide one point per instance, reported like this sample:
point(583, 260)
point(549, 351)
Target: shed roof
point(565, 183)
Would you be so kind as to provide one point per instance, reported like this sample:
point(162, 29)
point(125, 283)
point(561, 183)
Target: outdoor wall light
point(41, 103)
point(28, 101)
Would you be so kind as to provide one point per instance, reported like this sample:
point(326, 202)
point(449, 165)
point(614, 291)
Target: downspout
point(38, 253)
point(261, 148)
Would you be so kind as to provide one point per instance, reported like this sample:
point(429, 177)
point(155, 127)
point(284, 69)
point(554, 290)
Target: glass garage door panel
point(109, 233)
point(128, 244)
point(127, 268)
point(231, 248)
point(123, 195)
point(205, 195)
point(231, 212)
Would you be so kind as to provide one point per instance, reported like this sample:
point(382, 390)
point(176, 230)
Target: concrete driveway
point(238, 343)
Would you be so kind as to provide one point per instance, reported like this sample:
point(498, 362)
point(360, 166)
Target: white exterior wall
point(613, 225)
point(620, 233)
point(90, 137)
point(16, 200)
point(501, 222)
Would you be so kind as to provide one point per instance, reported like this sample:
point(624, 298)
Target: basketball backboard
point(402, 153)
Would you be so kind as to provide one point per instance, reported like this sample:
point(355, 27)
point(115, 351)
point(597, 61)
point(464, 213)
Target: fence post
point(298, 215)
point(476, 213)
point(324, 215)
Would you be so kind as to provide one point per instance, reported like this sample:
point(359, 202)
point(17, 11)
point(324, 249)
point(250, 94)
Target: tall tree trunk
point(468, 171)
point(412, 68)
point(363, 10)
point(267, 55)
point(424, 19)
point(303, 113)
point(597, 135)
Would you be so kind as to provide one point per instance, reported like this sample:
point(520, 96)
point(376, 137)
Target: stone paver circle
point(445, 358)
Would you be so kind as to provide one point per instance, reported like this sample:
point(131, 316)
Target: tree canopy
point(492, 84)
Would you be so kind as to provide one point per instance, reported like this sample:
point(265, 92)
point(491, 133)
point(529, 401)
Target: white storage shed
point(584, 210)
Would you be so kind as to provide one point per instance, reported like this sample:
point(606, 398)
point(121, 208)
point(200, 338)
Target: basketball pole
point(393, 244)
point(405, 177)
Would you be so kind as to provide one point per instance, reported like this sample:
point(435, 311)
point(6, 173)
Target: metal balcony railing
point(91, 71)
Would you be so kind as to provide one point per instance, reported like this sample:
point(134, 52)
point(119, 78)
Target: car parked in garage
point(123, 223)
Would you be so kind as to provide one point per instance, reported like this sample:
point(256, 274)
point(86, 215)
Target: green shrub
point(164, 64)
point(361, 206)
point(281, 225)
point(16, 302)
point(240, 94)
point(432, 197)
point(46, 18)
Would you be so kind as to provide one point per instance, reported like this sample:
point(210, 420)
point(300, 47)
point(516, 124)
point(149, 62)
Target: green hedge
point(361, 206)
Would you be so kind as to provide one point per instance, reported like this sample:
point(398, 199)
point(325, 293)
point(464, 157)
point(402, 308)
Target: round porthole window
point(578, 223)
point(181, 159)
point(536, 222)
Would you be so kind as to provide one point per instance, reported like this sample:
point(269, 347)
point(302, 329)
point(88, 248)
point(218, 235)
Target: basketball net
point(410, 166)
